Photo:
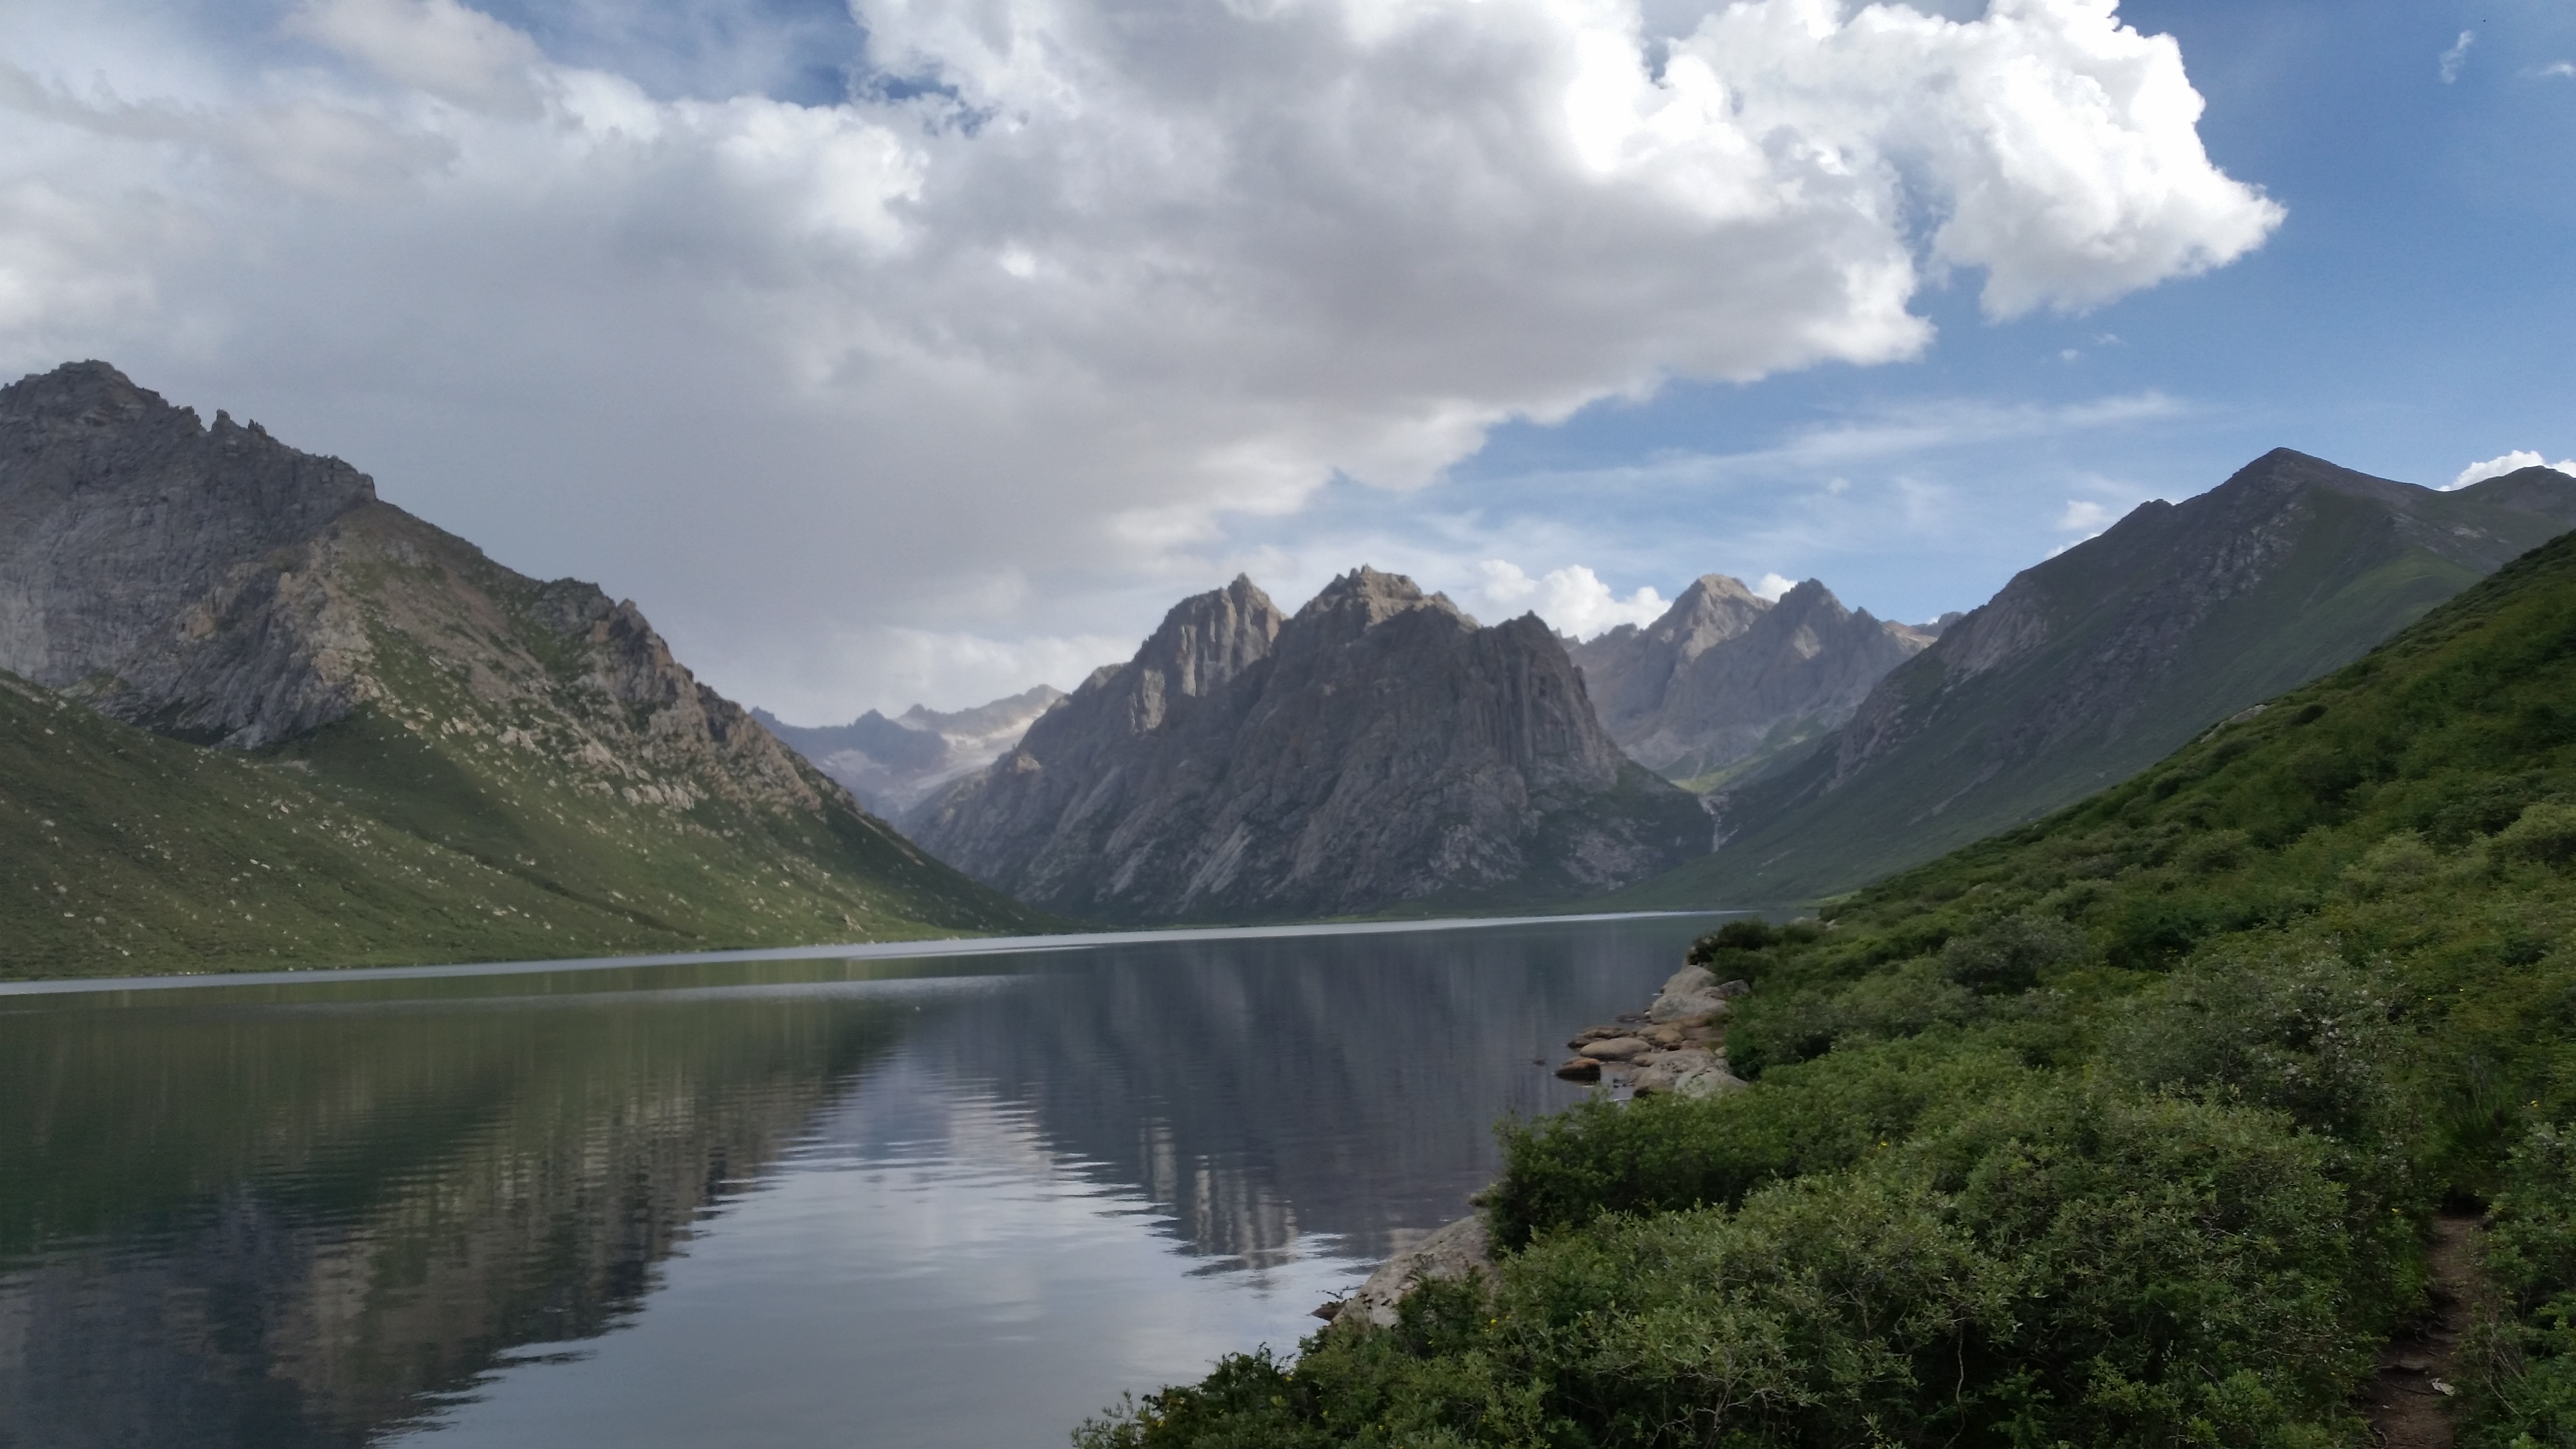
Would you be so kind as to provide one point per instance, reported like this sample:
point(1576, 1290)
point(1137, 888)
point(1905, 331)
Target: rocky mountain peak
point(1714, 609)
point(131, 538)
point(1384, 749)
point(1206, 640)
point(1725, 678)
point(1365, 598)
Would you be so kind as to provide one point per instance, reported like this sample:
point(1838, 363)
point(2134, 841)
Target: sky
point(917, 351)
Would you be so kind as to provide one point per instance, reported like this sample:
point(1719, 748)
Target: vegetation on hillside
point(2124, 1128)
point(2094, 664)
point(127, 853)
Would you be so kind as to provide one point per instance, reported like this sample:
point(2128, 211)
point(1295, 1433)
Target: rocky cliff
point(1727, 681)
point(1378, 749)
point(892, 765)
point(2091, 666)
point(217, 586)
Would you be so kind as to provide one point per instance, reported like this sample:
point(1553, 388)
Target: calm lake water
point(956, 1200)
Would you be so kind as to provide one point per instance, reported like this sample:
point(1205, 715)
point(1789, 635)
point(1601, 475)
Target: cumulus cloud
point(1573, 600)
point(1061, 293)
point(1772, 586)
point(2503, 463)
point(438, 47)
point(2085, 516)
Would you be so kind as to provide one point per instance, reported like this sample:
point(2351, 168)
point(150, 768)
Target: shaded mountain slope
point(1377, 750)
point(218, 587)
point(1727, 681)
point(2088, 667)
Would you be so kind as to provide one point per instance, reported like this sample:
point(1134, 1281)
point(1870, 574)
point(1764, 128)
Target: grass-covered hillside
point(124, 852)
point(2127, 1128)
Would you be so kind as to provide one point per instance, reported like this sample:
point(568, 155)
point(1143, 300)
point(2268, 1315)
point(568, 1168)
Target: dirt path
point(2410, 1402)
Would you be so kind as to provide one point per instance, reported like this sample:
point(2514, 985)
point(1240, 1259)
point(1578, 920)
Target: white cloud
point(2559, 68)
point(2085, 516)
point(437, 46)
point(1772, 586)
point(1059, 310)
point(2498, 466)
point(1572, 600)
point(2457, 56)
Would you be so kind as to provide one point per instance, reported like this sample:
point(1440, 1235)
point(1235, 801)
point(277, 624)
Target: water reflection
point(827, 1197)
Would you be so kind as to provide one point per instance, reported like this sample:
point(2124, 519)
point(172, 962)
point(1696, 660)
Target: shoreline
point(856, 951)
point(1676, 1046)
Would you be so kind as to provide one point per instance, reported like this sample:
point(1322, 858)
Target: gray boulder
point(1459, 1250)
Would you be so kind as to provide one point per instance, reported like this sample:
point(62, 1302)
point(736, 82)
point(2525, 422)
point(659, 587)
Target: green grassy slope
point(2123, 1128)
point(123, 852)
point(1997, 749)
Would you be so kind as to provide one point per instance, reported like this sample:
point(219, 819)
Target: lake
point(959, 1199)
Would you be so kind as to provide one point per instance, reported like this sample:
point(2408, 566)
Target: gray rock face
point(1459, 1250)
point(1725, 678)
point(216, 584)
point(1378, 748)
point(150, 563)
point(892, 765)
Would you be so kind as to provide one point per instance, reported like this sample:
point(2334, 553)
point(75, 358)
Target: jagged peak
point(1207, 639)
point(1373, 597)
point(1710, 587)
point(76, 388)
point(1811, 594)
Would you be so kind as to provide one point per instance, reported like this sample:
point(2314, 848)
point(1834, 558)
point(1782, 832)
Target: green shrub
point(1668, 1154)
point(2011, 953)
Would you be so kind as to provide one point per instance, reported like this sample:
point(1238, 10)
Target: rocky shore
point(1677, 1045)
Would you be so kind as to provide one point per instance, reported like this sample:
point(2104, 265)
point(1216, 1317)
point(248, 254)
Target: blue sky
point(2415, 313)
point(892, 352)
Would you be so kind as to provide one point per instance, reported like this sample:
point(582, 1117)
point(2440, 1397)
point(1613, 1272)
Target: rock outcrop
point(1379, 748)
point(2091, 666)
point(1727, 680)
point(1676, 1045)
point(1451, 1253)
point(892, 765)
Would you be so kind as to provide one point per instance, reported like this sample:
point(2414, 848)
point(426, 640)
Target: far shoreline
point(859, 951)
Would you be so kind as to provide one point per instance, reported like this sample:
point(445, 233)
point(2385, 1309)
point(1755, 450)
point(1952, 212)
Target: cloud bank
point(1067, 293)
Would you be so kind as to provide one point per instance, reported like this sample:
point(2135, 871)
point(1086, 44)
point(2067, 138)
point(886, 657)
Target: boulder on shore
point(1459, 1250)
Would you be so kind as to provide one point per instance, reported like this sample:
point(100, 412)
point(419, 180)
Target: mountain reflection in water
point(341, 1212)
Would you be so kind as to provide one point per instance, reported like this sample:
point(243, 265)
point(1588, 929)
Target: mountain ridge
point(2092, 664)
point(1726, 681)
point(1378, 749)
point(892, 765)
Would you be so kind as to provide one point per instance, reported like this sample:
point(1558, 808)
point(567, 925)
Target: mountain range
point(253, 714)
point(2092, 665)
point(1377, 750)
point(1727, 681)
point(321, 730)
point(892, 765)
